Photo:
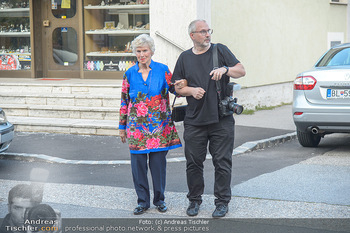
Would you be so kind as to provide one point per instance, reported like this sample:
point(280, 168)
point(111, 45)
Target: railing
point(169, 41)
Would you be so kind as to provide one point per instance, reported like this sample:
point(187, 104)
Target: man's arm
point(196, 92)
point(236, 71)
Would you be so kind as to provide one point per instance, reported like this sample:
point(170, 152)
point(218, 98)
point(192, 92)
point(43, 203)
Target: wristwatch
point(226, 69)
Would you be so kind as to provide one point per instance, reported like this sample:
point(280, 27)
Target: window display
point(64, 46)
point(15, 50)
point(110, 26)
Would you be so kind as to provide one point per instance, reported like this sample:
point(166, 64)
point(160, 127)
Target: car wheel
point(308, 139)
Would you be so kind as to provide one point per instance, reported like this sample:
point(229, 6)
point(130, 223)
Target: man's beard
point(204, 44)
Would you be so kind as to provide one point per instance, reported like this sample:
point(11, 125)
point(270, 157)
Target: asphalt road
point(245, 167)
point(78, 147)
point(307, 188)
point(282, 182)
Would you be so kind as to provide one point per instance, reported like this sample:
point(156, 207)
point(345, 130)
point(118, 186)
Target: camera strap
point(216, 65)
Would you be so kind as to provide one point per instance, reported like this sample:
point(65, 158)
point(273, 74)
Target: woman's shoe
point(162, 208)
point(139, 210)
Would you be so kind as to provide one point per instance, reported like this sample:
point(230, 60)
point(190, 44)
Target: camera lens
point(238, 109)
point(40, 216)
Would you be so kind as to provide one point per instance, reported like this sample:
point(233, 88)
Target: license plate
point(338, 94)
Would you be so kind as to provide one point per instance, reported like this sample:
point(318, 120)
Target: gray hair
point(143, 40)
point(192, 26)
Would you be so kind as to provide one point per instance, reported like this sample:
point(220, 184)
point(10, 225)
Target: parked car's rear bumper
point(6, 135)
point(327, 118)
point(322, 126)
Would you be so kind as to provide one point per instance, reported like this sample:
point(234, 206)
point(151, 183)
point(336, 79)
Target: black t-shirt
point(196, 69)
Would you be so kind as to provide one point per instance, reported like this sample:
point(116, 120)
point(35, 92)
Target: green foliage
point(259, 108)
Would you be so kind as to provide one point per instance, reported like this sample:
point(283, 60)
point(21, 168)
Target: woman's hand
point(181, 83)
point(122, 135)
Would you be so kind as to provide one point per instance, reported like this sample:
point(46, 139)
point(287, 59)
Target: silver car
point(321, 97)
point(6, 132)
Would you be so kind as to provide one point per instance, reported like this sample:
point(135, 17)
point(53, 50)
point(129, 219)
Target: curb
point(264, 143)
point(246, 147)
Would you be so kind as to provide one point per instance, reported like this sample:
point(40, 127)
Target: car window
point(335, 57)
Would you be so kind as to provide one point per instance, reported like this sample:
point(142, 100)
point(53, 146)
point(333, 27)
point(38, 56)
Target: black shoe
point(162, 208)
point(139, 210)
point(193, 208)
point(220, 211)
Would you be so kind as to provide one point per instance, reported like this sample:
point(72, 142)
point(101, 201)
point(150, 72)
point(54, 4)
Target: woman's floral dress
point(145, 112)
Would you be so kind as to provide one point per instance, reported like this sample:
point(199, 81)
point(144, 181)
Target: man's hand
point(198, 92)
point(183, 89)
point(122, 135)
point(218, 73)
point(236, 71)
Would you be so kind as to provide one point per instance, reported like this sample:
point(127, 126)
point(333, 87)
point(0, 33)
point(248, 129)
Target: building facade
point(274, 39)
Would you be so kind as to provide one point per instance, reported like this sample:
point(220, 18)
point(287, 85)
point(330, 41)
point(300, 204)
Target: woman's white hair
point(141, 41)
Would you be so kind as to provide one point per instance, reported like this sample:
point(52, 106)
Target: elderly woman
point(145, 120)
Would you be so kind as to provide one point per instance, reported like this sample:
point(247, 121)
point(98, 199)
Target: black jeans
point(221, 139)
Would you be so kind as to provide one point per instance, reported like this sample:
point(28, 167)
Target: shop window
point(15, 51)
point(110, 26)
point(63, 9)
point(64, 46)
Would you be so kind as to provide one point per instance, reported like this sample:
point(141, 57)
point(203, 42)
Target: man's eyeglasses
point(204, 32)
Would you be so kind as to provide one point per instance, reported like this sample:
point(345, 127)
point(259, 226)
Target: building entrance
point(57, 44)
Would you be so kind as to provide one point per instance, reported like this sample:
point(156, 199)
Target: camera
point(41, 216)
point(228, 105)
